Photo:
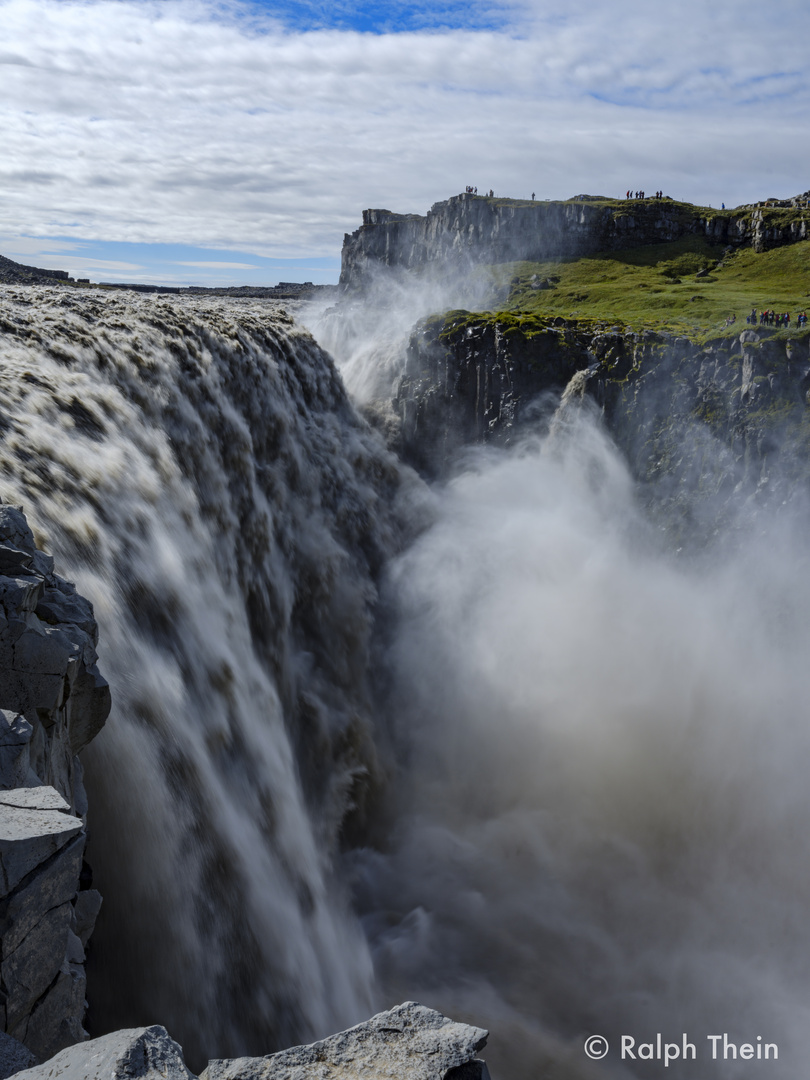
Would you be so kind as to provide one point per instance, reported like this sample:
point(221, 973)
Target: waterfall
point(196, 468)
point(498, 747)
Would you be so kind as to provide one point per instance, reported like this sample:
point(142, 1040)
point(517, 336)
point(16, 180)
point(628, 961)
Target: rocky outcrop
point(19, 274)
point(53, 700)
point(410, 1042)
point(469, 229)
point(48, 659)
point(147, 1053)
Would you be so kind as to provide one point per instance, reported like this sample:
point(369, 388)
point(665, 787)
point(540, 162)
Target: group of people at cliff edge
point(775, 318)
point(643, 195)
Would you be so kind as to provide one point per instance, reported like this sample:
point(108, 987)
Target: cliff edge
point(472, 229)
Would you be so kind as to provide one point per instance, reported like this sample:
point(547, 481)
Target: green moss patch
point(655, 287)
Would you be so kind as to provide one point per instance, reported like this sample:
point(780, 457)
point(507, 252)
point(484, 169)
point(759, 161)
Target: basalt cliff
point(701, 419)
point(470, 229)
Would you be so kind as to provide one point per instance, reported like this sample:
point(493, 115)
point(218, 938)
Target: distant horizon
point(159, 264)
point(150, 264)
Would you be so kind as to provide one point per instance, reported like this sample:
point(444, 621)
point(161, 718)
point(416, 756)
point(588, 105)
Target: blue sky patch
point(384, 17)
point(164, 264)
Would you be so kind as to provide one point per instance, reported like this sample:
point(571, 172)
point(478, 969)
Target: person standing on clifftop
point(532, 196)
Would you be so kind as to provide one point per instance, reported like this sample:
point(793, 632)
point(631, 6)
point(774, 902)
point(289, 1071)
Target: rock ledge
point(409, 1042)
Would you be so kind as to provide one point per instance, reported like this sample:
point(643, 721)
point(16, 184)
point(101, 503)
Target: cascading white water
point(368, 335)
point(197, 469)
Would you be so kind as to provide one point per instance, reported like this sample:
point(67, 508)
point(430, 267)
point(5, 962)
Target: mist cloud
point(602, 798)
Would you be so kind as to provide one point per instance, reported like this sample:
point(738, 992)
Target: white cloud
point(58, 254)
point(79, 264)
point(151, 122)
point(220, 265)
point(94, 267)
point(28, 247)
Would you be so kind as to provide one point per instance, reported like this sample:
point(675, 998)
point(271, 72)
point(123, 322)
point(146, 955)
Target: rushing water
point(530, 767)
point(197, 469)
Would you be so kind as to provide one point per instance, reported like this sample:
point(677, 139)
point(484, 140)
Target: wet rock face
point(481, 384)
point(409, 1042)
point(53, 700)
point(736, 409)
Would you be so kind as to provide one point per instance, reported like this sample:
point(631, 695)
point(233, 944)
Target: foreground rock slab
point(410, 1042)
point(133, 1054)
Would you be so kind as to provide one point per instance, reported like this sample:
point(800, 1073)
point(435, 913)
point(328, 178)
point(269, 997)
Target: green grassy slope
point(655, 287)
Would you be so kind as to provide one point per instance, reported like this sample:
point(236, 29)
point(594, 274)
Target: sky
point(202, 142)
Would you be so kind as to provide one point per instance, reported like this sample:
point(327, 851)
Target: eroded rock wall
point(53, 700)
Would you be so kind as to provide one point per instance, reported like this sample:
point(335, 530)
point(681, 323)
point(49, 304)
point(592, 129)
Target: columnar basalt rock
point(53, 700)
